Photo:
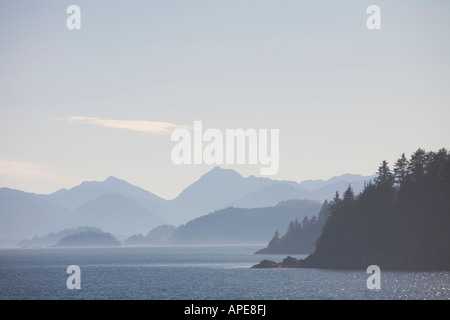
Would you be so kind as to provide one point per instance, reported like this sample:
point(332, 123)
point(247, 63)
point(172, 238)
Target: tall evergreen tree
point(348, 196)
point(385, 177)
point(275, 239)
point(401, 169)
point(291, 227)
point(305, 222)
point(436, 163)
point(417, 164)
point(336, 203)
point(324, 213)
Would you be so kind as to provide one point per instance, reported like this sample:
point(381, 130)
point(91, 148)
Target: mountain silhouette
point(115, 213)
point(214, 190)
point(222, 188)
point(89, 190)
point(313, 190)
point(118, 206)
point(270, 196)
point(22, 214)
point(241, 226)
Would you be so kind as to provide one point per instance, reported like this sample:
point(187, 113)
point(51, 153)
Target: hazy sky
point(343, 97)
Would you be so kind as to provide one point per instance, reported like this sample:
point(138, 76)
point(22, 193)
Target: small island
point(89, 239)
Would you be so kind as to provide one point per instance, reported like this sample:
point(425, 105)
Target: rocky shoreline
point(398, 265)
point(288, 262)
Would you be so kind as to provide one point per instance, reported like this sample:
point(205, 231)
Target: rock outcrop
point(267, 264)
point(288, 262)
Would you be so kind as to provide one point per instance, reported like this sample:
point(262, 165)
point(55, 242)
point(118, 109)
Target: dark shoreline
point(291, 263)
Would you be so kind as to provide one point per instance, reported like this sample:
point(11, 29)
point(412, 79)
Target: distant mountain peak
point(221, 172)
point(109, 180)
point(60, 191)
point(113, 179)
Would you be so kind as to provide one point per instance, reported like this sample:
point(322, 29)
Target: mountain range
point(243, 226)
point(121, 208)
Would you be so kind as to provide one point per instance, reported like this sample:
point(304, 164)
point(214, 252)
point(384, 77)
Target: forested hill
point(241, 225)
point(300, 237)
point(401, 220)
point(88, 239)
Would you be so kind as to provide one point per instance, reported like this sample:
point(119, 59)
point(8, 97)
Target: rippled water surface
point(195, 272)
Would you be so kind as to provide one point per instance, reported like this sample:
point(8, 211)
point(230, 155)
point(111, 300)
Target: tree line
point(300, 237)
point(400, 220)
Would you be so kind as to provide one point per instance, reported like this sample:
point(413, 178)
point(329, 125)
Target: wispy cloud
point(21, 168)
point(134, 125)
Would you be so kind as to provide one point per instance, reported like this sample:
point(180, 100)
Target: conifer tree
point(348, 196)
point(385, 177)
point(401, 169)
point(417, 164)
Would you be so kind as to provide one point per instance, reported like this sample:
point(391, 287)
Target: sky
point(81, 105)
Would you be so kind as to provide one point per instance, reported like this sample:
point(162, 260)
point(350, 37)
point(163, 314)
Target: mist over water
point(195, 272)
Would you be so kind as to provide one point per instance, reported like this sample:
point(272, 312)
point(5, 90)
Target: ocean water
point(195, 272)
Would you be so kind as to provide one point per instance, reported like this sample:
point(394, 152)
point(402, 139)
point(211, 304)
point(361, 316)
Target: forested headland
point(401, 220)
